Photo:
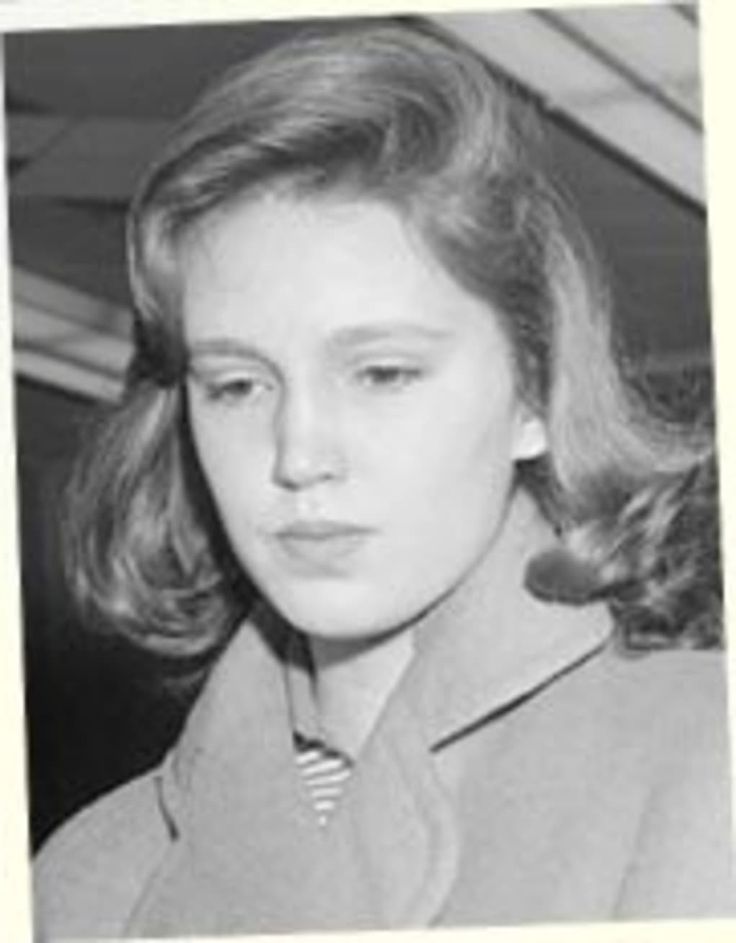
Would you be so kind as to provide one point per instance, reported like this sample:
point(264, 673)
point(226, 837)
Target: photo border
point(717, 29)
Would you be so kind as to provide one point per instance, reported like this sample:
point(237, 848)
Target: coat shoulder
point(90, 872)
point(675, 706)
point(664, 714)
point(674, 691)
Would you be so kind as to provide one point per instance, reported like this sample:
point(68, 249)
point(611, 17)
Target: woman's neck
point(352, 680)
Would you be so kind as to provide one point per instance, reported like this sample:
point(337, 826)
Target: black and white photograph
point(370, 536)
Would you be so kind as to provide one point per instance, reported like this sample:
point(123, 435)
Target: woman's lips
point(321, 545)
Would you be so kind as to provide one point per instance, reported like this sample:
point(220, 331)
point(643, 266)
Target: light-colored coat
point(524, 770)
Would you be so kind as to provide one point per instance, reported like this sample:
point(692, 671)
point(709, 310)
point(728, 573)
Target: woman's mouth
point(319, 545)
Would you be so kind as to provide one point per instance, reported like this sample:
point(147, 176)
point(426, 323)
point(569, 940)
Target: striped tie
point(324, 771)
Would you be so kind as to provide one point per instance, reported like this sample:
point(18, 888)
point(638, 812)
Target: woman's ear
point(530, 440)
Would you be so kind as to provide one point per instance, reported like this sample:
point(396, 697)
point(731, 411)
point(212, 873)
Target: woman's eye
point(389, 376)
point(236, 390)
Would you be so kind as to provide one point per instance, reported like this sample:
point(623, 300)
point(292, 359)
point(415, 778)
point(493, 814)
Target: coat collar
point(494, 643)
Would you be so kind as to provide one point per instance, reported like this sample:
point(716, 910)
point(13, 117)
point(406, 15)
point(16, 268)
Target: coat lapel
point(250, 854)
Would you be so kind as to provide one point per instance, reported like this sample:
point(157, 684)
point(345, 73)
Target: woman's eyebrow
point(344, 338)
point(356, 335)
point(223, 347)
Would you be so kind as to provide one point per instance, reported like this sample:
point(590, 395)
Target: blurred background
point(619, 93)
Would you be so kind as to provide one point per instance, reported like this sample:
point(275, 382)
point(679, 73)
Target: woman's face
point(355, 411)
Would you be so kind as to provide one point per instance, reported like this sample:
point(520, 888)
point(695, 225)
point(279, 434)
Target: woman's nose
point(308, 446)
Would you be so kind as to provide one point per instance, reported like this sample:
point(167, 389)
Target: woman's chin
point(348, 617)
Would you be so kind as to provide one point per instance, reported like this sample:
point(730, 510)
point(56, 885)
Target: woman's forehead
point(274, 228)
point(349, 267)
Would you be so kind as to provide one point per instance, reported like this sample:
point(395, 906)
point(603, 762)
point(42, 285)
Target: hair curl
point(402, 114)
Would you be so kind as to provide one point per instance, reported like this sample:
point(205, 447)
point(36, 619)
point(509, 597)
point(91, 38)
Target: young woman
point(373, 379)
